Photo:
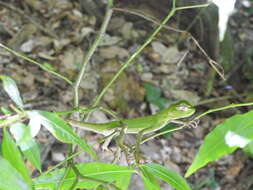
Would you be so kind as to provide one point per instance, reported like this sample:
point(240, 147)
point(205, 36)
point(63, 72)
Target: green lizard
point(142, 125)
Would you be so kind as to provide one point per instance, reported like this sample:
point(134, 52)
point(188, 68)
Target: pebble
point(147, 77)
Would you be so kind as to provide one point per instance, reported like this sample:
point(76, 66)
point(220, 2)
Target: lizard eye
point(183, 107)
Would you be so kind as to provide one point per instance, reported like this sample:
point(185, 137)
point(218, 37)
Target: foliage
point(20, 127)
point(153, 95)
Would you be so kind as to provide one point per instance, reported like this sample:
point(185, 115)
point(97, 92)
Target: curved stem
point(223, 108)
point(37, 63)
point(90, 53)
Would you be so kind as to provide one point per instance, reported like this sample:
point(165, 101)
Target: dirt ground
point(58, 33)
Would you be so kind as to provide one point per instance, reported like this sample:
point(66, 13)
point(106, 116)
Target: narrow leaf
point(11, 88)
point(60, 129)
point(12, 154)
point(235, 132)
point(111, 173)
point(10, 177)
point(26, 143)
point(149, 180)
point(167, 175)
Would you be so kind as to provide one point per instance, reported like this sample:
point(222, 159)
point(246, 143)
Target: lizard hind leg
point(140, 135)
point(121, 146)
point(109, 137)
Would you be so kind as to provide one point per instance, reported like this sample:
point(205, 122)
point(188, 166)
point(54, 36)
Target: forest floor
point(58, 34)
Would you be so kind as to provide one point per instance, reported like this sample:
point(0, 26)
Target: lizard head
point(181, 109)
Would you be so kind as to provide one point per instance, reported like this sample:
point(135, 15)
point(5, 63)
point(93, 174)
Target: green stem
point(91, 52)
point(161, 133)
point(60, 183)
point(223, 108)
point(36, 63)
point(86, 60)
point(192, 6)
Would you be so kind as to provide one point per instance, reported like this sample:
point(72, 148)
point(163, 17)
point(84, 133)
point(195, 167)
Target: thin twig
point(223, 108)
point(90, 53)
point(80, 76)
point(216, 99)
point(36, 63)
point(147, 17)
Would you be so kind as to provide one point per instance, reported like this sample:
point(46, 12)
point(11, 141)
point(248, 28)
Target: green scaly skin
point(145, 124)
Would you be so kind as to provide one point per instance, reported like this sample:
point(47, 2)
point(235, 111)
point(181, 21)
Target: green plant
point(19, 142)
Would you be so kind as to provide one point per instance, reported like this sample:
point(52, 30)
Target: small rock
point(166, 69)
point(58, 156)
point(108, 40)
point(59, 44)
point(113, 51)
point(126, 30)
point(176, 155)
point(147, 77)
point(158, 47)
point(154, 109)
point(72, 58)
point(199, 132)
point(90, 81)
point(116, 23)
point(234, 170)
point(172, 55)
point(178, 136)
point(98, 116)
point(166, 152)
point(27, 46)
point(190, 96)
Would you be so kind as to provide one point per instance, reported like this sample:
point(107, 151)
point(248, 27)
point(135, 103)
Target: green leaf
point(111, 173)
point(153, 95)
point(160, 102)
point(167, 175)
point(11, 88)
point(149, 180)
point(152, 92)
point(235, 132)
point(26, 143)
point(10, 177)
point(12, 154)
point(59, 129)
